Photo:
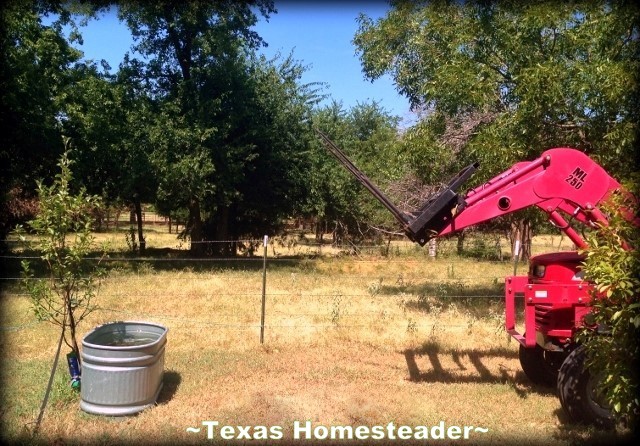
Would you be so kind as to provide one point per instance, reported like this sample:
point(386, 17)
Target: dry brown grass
point(349, 341)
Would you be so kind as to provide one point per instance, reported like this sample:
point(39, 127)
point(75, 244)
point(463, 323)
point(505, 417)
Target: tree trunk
point(108, 218)
point(194, 227)
point(499, 247)
point(132, 232)
point(520, 233)
point(138, 210)
point(71, 323)
point(514, 238)
point(225, 247)
point(319, 230)
point(460, 245)
point(526, 240)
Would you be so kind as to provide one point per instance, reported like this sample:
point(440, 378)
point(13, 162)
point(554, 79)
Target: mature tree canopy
point(368, 135)
point(500, 82)
point(228, 128)
point(108, 119)
point(529, 75)
point(37, 66)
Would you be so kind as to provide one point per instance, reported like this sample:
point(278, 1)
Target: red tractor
point(568, 186)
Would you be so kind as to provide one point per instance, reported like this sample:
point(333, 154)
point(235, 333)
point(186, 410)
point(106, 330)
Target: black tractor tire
point(540, 366)
point(577, 392)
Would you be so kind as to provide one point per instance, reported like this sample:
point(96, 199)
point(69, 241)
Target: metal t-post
point(264, 289)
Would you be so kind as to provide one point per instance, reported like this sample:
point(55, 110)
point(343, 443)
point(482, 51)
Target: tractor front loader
point(566, 185)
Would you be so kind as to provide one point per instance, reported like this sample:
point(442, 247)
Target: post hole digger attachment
point(568, 187)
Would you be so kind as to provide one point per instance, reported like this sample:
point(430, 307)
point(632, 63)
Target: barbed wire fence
point(260, 264)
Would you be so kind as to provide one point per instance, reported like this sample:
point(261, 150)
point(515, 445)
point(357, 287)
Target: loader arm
point(553, 298)
point(563, 182)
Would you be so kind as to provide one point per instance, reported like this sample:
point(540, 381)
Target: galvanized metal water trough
point(122, 367)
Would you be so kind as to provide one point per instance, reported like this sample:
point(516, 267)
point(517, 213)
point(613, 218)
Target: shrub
point(613, 265)
point(63, 229)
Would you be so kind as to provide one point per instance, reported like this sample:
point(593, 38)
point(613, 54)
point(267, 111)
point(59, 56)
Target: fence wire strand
point(397, 280)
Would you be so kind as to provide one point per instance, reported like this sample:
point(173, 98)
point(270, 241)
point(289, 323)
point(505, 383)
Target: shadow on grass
point(583, 434)
point(446, 288)
point(468, 367)
point(160, 260)
point(477, 300)
point(170, 384)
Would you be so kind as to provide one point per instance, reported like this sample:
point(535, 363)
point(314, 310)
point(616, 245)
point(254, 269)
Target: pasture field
point(350, 340)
